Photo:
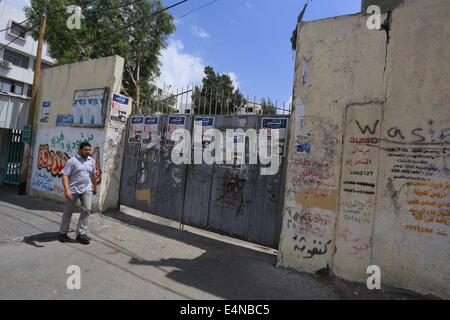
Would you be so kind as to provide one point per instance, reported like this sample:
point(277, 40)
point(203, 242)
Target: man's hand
point(67, 192)
point(69, 195)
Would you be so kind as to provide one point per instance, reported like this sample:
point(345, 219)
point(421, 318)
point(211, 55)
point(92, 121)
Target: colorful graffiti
point(51, 161)
point(54, 161)
point(55, 148)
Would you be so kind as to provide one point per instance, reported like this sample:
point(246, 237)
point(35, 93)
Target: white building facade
point(17, 64)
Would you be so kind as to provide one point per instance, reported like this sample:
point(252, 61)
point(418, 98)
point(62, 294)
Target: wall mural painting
point(53, 152)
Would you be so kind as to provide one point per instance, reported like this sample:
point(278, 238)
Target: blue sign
point(274, 123)
point(45, 111)
point(177, 120)
point(120, 99)
point(64, 120)
point(151, 120)
point(206, 121)
point(137, 120)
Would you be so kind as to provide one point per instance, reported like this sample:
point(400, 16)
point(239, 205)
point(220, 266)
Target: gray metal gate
point(234, 199)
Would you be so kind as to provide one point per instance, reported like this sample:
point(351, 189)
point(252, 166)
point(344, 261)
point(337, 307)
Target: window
point(5, 85)
point(17, 30)
point(17, 88)
point(11, 86)
point(16, 59)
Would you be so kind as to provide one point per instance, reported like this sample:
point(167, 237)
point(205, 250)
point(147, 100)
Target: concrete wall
point(54, 144)
point(369, 173)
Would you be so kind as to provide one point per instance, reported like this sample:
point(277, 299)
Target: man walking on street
point(79, 183)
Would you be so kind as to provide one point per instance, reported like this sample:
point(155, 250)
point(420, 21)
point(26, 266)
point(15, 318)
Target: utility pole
point(27, 155)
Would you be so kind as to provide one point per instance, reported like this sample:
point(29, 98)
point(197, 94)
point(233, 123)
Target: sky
point(247, 39)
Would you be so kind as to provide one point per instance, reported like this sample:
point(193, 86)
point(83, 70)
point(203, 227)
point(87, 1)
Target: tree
point(158, 102)
point(109, 27)
point(217, 95)
point(268, 108)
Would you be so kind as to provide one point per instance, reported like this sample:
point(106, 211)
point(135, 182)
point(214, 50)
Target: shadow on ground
point(229, 271)
point(10, 195)
point(43, 238)
point(235, 272)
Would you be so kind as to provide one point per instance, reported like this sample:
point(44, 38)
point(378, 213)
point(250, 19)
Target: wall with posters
point(368, 178)
point(75, 105)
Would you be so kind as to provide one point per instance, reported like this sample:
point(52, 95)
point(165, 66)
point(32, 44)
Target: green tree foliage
point(217, 95)
point(267, 107)
point(109, 27)
point(158, 102)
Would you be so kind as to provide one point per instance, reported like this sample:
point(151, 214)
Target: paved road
point(138, 256)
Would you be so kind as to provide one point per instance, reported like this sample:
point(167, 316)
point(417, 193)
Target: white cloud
point(234, 78)
point(179, 69)
point(178, 22)
point(19, 4)
point(199, 32)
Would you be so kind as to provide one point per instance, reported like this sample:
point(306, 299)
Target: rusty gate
point(234, 199)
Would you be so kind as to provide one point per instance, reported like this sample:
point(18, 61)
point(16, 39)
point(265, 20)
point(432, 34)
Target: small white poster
point(88, 107)
point(119, 108)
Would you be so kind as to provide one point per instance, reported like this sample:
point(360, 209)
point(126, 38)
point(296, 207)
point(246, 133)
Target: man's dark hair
point(84, 145)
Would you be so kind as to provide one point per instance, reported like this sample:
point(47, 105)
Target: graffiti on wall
point(44, 181)
point(429, 206)
point(309, 231)
point(54, 149)
point(312, 188)
point(314, 172)
point(52, 161)
point(419, 170)
point(358, 183)
point(230, 189)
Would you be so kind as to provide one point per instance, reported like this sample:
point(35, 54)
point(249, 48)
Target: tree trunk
point(138, 88)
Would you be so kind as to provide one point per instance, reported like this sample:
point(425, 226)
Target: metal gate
point(13, 159)
point(234, 199)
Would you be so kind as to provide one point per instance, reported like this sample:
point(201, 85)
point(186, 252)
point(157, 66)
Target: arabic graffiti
point(308, 221)
point(58, 142)
point(313, 169)
point(52, 161)
point(55, 150)
point(357, 211)
point(317, 248)
point(356, 244)
point(45, 182)
point(429, 206)
point(309, 227)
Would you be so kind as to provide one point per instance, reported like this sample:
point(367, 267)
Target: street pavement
point(135, 255)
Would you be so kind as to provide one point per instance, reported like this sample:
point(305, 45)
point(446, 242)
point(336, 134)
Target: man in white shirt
point(79, 183)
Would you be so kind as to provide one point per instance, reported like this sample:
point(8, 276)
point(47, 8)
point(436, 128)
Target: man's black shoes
point(83, 239)
point(63, 238)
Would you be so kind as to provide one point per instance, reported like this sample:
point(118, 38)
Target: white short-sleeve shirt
point(80, 173)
